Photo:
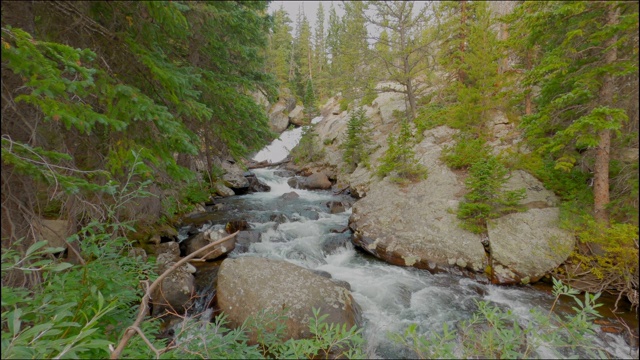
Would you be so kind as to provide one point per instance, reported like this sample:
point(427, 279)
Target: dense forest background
point(116, 117)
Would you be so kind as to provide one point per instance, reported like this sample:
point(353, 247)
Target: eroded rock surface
point(526, 246)
point(246, 285)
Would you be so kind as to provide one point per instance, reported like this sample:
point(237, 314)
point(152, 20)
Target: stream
point(391, 297)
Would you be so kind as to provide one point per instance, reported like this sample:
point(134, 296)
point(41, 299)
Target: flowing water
point(391, 297)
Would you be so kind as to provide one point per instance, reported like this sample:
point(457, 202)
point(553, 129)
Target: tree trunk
point(527, 97)
point(410, 91)
point(601, 172)
point(462, 76)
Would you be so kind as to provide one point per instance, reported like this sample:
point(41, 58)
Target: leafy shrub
point(493, 333)
point(356, 145)
point(307, 150)
point(614, 264)
point(465, 152)
point(399, 160)
point(79, 309)
point(214, 340)
point(485, 199)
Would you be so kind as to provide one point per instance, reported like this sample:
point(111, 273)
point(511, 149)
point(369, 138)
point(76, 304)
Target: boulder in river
point(234, 177)
point(247, 285)
point(255, 185)
point(176, 291)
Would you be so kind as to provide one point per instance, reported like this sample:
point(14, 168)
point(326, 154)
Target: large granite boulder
point(526, 246)
point(416, 225)
point(247, 285)
point(314, 181)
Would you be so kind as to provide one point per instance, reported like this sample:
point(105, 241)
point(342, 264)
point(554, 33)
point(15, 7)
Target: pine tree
point(404, 54)
point(577, 108)
point(356, 145)
point(399, 160)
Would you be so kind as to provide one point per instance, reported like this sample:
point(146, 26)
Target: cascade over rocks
point(246, 285)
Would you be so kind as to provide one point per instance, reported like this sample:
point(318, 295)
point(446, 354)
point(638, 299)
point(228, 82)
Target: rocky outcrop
point(417, 226)
point(247, 285)
point(526, 246)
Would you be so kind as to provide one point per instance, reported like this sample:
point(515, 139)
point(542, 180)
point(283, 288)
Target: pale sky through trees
point(310, 9)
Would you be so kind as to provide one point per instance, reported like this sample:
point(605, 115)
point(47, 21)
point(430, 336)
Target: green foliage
point(80, 309)
point(214, 340)
point(466, 152)
point(307, 150)
point(358, 140)
point(399, 160)
point(616, 262)
point(309, 100)
point(495, 333)
point(486, 199)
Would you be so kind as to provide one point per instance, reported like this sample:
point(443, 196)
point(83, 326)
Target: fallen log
point(265, 163)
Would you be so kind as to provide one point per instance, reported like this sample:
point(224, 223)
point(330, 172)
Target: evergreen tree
point(577, 108)
point(356, 145)
point(280, 43)
point(404, 54)
point(399, 160)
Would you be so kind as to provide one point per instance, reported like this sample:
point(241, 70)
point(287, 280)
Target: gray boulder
point(247, 285)
point(234, 177)
point(416, 225)
point(296, 116)
point(176, 291)
point(223, 190)
point(290, 195)
point(317, 181)
point(526, 246)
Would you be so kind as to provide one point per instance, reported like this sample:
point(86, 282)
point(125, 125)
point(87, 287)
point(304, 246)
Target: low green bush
point(466, 152)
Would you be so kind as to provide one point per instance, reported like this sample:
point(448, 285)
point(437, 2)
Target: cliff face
point(416, 224)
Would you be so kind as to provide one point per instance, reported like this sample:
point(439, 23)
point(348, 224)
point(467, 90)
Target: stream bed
point(303, 231)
